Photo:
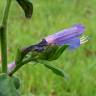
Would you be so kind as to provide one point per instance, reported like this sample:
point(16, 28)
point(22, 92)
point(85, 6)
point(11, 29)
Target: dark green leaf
point(16, 82)
point(27, 6)
point(7, 87)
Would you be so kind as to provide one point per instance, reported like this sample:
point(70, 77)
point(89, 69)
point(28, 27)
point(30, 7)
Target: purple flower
point(70, 36)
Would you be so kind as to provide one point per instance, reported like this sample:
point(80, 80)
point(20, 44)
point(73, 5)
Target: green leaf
point(7, 87)
point(56, 70)
point(16, 82)
point(27, 6)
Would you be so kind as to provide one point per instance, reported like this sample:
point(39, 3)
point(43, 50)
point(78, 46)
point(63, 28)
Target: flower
point(70, 36)
point(45, 50)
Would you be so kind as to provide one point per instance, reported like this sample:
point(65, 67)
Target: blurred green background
point(49, 17)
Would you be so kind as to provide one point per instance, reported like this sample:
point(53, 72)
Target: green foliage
point(80, 65)
point(50, 53)
point(7, 87)
point(27, 7)
point(16, 82)
point(55, 70)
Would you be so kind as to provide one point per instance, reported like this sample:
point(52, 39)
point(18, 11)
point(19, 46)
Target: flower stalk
point(3, 36)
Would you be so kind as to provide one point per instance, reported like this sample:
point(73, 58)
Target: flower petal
point(65, 34)
point(74, 43)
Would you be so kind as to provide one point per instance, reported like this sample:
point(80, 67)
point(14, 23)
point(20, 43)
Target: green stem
point(6, 12)
point(18, 66)
point(3, 37)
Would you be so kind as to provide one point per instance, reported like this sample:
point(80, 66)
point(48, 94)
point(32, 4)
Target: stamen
point(83, 39)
